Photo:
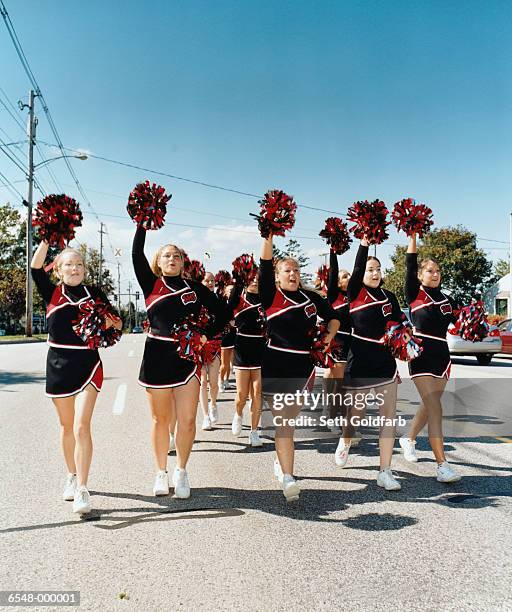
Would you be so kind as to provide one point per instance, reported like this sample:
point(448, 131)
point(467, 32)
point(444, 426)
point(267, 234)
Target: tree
point(92, 269)
point(293, 249)
point(466, 270)
point(501, 268)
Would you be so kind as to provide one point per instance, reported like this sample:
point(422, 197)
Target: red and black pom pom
point(195, 270)
point(370, 220)
point(91, 324)
point(187, 335)
point(412, 218)
point(401, 342)
point(244, 269)
point(277, 213)
point(211, 349)
point(322, 278)
point(336, 235)
point(222, 280)
point(320, 357)
point(472, 323)
point(147, 205)
point(57, 216)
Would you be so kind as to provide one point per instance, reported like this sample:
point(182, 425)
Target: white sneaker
point(254, 438)
point(291, 489)
point(236, 425)
point(69, 488)
point(445, 473)
point(213, 413)
point(278, 472)
point(181, 484)
point(206, 426)
point(222, 387)
point(161, 486)
point(229, 386)
point(387, 479)
point(341, 453)
point(172, 443)
point(82, 501)
point(409, 448)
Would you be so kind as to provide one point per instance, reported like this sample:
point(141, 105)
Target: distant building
point(496, 300)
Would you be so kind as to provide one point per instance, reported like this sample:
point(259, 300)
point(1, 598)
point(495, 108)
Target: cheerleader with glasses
point(371, 375)
point(287, 366)
point(74, 372)
point(432, 312)
point(169, 379)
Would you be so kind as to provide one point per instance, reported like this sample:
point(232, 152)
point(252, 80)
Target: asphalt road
point(236, 544)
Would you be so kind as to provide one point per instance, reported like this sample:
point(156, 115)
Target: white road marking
point(120, 400)
point(131, 353)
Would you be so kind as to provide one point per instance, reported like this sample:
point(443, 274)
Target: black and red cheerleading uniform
point(249, 325)
point(169, 300)
point(291, 323)
point(369, 363)
point(339, 301)
point(70, 364)
point(431, 312)
point(229, 332)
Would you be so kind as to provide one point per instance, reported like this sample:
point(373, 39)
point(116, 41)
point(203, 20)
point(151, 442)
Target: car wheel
point(484, 359)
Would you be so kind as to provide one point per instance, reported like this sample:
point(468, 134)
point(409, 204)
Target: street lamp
point(28, 203)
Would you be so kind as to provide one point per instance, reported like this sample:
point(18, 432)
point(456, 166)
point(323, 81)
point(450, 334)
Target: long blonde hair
point(157, 271)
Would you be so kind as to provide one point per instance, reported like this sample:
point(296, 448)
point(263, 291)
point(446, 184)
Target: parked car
point(505, 328)
point(483, 350)
point(137, 330)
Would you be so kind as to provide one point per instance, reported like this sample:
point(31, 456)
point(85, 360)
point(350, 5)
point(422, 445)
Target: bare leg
point(186, 398)
point(203, 395)
point(243, 380)
point(172, 420)
point(284, 433)
point(431, 390)
point(160, 402)
point(256, 398)
point(387, 432)
point(213, 379)
point(66, 411)
point(83, 440)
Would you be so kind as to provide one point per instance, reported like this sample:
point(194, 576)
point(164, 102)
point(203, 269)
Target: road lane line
point(120, 399)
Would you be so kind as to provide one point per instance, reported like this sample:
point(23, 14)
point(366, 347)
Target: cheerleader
point(371, 374)
point(337, 297)
point(249, 346)
point(287, 366)
point(72, 369)
point(169, 379)
point(227, 347)
point(210, 372)
point(432, 312)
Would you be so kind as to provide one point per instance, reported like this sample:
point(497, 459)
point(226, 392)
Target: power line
point(187, 180)
point(7, 183)
point(26, 66)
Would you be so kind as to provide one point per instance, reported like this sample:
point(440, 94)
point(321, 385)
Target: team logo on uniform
point(189, 297)
point(446, 309)
point(387, 309)
point(310, 310)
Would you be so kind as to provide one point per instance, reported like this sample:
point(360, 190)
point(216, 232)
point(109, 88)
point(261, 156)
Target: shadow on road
point(20, 378)
point(315, 505)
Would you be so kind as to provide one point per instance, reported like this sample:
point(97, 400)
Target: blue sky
point(330, 101)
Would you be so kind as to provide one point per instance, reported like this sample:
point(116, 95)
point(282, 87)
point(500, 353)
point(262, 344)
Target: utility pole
point(129, 306)
point(101, 232)
point(32, 122)
point(118, 288)
point(510, 268)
